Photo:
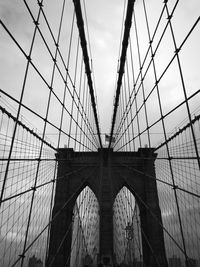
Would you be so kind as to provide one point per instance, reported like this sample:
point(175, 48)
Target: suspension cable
point(125, 41)
point(80, 24)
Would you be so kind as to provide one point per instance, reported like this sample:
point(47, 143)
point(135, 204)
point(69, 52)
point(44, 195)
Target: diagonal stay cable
point(39, 116)
point(159, 180)
point(55, 215)
point(152, 213)
point(34, 188)
point(4, 111)
point(42, 78)
point(136, 79)
point(165, 70)
point(60, 246)
point(159, 119)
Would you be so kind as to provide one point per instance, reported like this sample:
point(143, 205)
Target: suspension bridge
point(68, 197)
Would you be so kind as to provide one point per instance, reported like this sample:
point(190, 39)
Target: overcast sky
point(104, 23)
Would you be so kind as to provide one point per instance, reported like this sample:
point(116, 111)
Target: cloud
point(15, 236)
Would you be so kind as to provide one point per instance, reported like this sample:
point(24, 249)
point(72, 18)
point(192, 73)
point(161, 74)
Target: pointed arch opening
point(85, 229)
point(126, 230)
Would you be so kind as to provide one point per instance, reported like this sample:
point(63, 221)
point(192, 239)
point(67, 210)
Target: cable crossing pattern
point(48, 102)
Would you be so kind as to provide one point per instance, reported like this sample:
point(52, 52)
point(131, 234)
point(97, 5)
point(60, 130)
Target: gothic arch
point(106, 172)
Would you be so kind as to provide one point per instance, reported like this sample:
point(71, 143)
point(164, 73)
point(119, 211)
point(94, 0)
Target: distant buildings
point(138, 264)
point(34, 262)
point(176, 262)
point(193, 263)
